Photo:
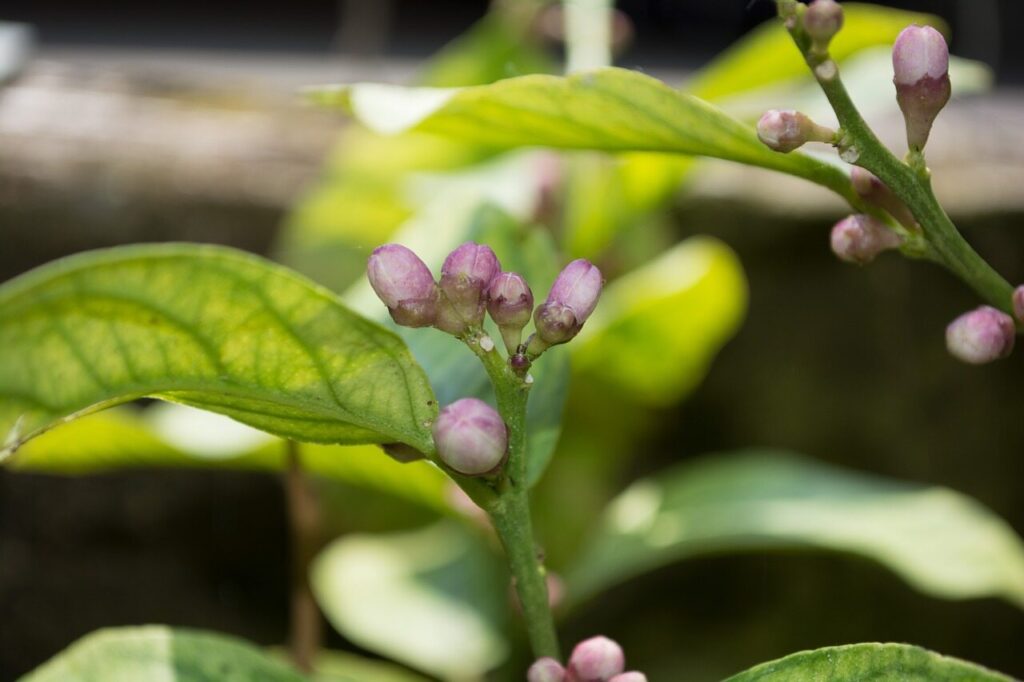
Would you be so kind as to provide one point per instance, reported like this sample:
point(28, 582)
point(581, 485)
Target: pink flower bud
point(631, 676)
point(465, 276)
point(404, 283)
point(859, 238)
point(510, 303)
point(920, 62)
point(981, 335)
point(470, 437)
point(784, 130)
point(578, 286)
point(872, 190)
point(545, 670)
point(822, 21)
point(1018, 302)
point(555, 323)
point(597, 659)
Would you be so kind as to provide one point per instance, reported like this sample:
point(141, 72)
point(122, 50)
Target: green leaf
point(941, 542)
point(157, 652)
point(209, 327)
point(658, 328)
point(342, 666)
point(767, 56)
point(433, 599)
point(171, 435)
point(869, 662)
point(611, 110)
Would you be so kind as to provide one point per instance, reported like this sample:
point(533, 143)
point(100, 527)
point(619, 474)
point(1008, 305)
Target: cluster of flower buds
point(920, 63)
point(784, 130)
point(473, 283)
point(597, 659)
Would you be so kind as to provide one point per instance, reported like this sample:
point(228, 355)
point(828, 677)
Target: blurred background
point(132, 122)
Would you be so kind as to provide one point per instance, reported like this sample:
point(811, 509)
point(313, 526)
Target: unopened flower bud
point(596, 660)
point(465, 276)
point(822, 22)
point(510, 303)
point(981, 335)
point(920, 62)
point(470, 437)
point(404, 283)
point(570, 302)
point(784, 130)
point(1018, 302)
point(545, 670)
point(859, 238)
point(631, 676)
point(874, 191)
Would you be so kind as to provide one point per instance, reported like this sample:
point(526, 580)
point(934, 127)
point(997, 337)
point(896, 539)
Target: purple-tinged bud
point(920, 62)
point(784, 130)
point(510, 303)
point(822, 22)
point(981, 335)
point(465, 276)
point(874, 191)
point(859, 238)
point(597, 659)
point(631, 676)
point(570, 302)
point(555, 323)
point(545, 670)
point(470, 437)
point(404, 283)
point(1018, 302)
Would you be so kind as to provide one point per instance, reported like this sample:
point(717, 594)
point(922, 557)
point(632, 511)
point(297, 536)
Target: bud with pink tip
point(596, 660)
point(822, 22)
point(784, 130)
point(859, 238)
point(874, 191)
point(470, 437)
point(404, 283)
point(1018, 302)
point(981, 335)
point(631, 676)
point(545, 670)
point(465, 276)
point(510, 303)
point(920, 62)
point(572, 299)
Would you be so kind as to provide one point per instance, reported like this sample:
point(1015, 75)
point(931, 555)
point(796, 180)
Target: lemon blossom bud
point(570, 302)
point(465, 276)
point(859, 238)
point(822, 22)
point(470, 437)
point(981, 335)
point(510, 303)
point(545, 670)
point(631, 676)
point(1018, 302)
point(404, 283)
point(596, 660)
point(784, 130)
point(920, 61)
point(872, 190)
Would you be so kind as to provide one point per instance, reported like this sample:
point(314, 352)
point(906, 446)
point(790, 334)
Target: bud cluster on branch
point(597, 659)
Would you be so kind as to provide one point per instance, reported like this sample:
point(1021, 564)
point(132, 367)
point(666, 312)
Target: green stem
point(911, 184)
point(510, 511)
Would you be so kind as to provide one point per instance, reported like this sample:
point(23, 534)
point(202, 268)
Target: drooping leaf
point(941, 542)
point(206, 326)
point(433, 599)
point(177, 436)
point(611, 109)
point(157, 652)
point(869, 662)
point(658, 327)
point(766, 56)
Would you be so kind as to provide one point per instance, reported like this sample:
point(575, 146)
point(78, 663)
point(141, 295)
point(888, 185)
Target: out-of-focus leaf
point(658, 327)
point(177, 436)
point(157, 653)
point(941, 542)
point(869, 662)
point(612, 110)
point(207, 326)
point(342, 666)
point(767, 54)
point(453, 370)
point(434, 599)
